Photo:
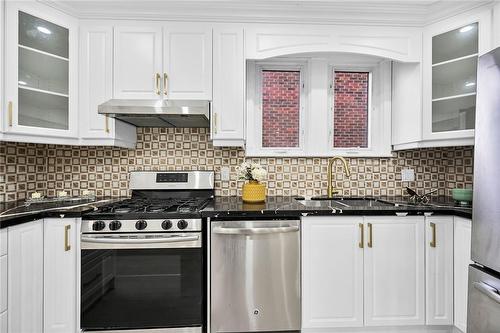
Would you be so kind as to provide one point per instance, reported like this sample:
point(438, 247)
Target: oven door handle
point(254, 231)
point(108, 240)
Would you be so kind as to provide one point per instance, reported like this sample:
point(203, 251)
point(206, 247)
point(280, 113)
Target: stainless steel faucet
point(347, 172)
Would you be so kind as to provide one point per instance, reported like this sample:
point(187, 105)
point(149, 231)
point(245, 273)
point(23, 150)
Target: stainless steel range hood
point(158, 113)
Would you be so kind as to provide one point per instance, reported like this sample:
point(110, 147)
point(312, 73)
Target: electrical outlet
point(224, 174)
point(408, 175)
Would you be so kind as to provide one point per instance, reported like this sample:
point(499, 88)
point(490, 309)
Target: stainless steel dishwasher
point(255, 276)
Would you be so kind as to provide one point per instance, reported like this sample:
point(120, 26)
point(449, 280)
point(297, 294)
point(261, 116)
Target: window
point(315, 107)
point(351, 94)
point(280, 108)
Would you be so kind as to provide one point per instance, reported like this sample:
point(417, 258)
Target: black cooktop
point(151, 208)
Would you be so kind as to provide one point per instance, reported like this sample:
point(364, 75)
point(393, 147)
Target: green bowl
point(462, 194)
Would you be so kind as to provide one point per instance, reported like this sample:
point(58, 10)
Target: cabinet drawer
point(3, 322)
point(3, 283)
point(3, 241)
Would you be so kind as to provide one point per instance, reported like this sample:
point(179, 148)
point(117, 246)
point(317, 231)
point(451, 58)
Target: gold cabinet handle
point(10, 113)
point(433, 241)
point(370, 235)
point(215, 123)
point(165, 84)
point(67, 246)
point(157, 82)
point(362, 234)
point(106, 119)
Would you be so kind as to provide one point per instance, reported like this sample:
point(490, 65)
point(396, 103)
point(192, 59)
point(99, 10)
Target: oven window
point(141, 288)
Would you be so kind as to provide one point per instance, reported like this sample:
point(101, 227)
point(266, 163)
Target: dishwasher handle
point(254, 231)
point(488, 290)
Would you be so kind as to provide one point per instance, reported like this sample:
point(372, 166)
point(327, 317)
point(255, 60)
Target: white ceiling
point(404, 13)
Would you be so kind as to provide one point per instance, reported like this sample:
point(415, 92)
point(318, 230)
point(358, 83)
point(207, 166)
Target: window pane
point(454, 44)
point(280, 108)
point(350, 115)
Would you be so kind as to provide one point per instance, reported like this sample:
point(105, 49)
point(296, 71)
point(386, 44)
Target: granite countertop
point(12, 213)
point(17, 212)
point(282, 206)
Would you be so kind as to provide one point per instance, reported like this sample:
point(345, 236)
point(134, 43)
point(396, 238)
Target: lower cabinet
point(60, 275)
point(332, 272)
point(42, 277)
point(25, 278)
point(439, 270)
point(462, 249)
point(362, 271)
point(394, 271)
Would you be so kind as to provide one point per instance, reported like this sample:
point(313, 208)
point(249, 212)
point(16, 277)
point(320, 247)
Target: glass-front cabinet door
point(451, 51)
point(40, 66)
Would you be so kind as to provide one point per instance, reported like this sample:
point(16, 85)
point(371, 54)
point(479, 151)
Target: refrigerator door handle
point(488, 291)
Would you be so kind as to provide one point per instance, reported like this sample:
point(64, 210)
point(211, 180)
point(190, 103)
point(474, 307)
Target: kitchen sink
point(343, 202)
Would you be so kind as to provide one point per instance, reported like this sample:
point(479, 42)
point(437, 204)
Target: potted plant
point(253, 190)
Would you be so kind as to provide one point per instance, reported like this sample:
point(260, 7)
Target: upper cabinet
point(228, 106)
point(187, 61)
point(41, 73)
point(169, 62)
point(451, 50)
point(137, 62)
point(96, 87)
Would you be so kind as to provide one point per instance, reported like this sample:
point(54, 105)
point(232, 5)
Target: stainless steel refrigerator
point(484, 275)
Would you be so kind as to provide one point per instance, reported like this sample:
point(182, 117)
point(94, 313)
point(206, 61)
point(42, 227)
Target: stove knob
point(182, 224)
point(141, 225)
point(98, 225)
point(167, 224)
point(115, 225)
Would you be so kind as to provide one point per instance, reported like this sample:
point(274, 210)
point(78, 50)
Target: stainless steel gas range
point(142, 258)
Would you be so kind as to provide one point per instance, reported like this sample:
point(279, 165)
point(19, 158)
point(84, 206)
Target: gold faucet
point(347, 172)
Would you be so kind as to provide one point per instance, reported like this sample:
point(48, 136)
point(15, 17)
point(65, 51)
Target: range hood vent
point(158, 113)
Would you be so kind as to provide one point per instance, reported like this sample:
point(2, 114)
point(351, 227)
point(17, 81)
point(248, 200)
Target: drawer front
point(3, 322)
point(3, 283)
point(3, 242)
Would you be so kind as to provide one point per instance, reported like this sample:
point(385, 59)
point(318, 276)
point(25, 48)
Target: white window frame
point(331, 106)
point(254, 141)
point(316, 116)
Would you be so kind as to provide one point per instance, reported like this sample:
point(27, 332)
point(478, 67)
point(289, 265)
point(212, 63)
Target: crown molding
point(369, 12)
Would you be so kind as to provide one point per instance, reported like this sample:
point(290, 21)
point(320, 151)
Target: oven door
point(141, 281)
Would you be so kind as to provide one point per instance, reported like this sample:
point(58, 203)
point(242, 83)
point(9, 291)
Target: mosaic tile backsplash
point(25, 168)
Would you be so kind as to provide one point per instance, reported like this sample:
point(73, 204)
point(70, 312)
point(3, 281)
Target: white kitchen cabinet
point(462, 254)
point(3, 322)
point(170, 62)
point(450, 51)
point(228, 105)
point(3, 283)
point(96, 87)
point(394, 271)
point(137, 63)
point(60, 275)
point(25, 277)
point(187, 61)
point(332, 272)
point(439, 270)
point(3, 280)
point(41, 77)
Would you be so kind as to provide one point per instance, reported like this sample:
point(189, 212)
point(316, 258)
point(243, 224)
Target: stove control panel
point(149, 225)
point(180, 177)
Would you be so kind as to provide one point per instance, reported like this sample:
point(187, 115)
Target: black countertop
point(284, 206)
point(12, 213)
point(17, 212)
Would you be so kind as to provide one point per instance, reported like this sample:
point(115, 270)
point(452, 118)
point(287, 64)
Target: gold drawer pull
point(362, 234)
point(10, 113)
point(157, 82)
point(215, 123)
point(370, 235)
point(107, 123)
point(67, 246)
point(433, 241)
point(165, 84)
